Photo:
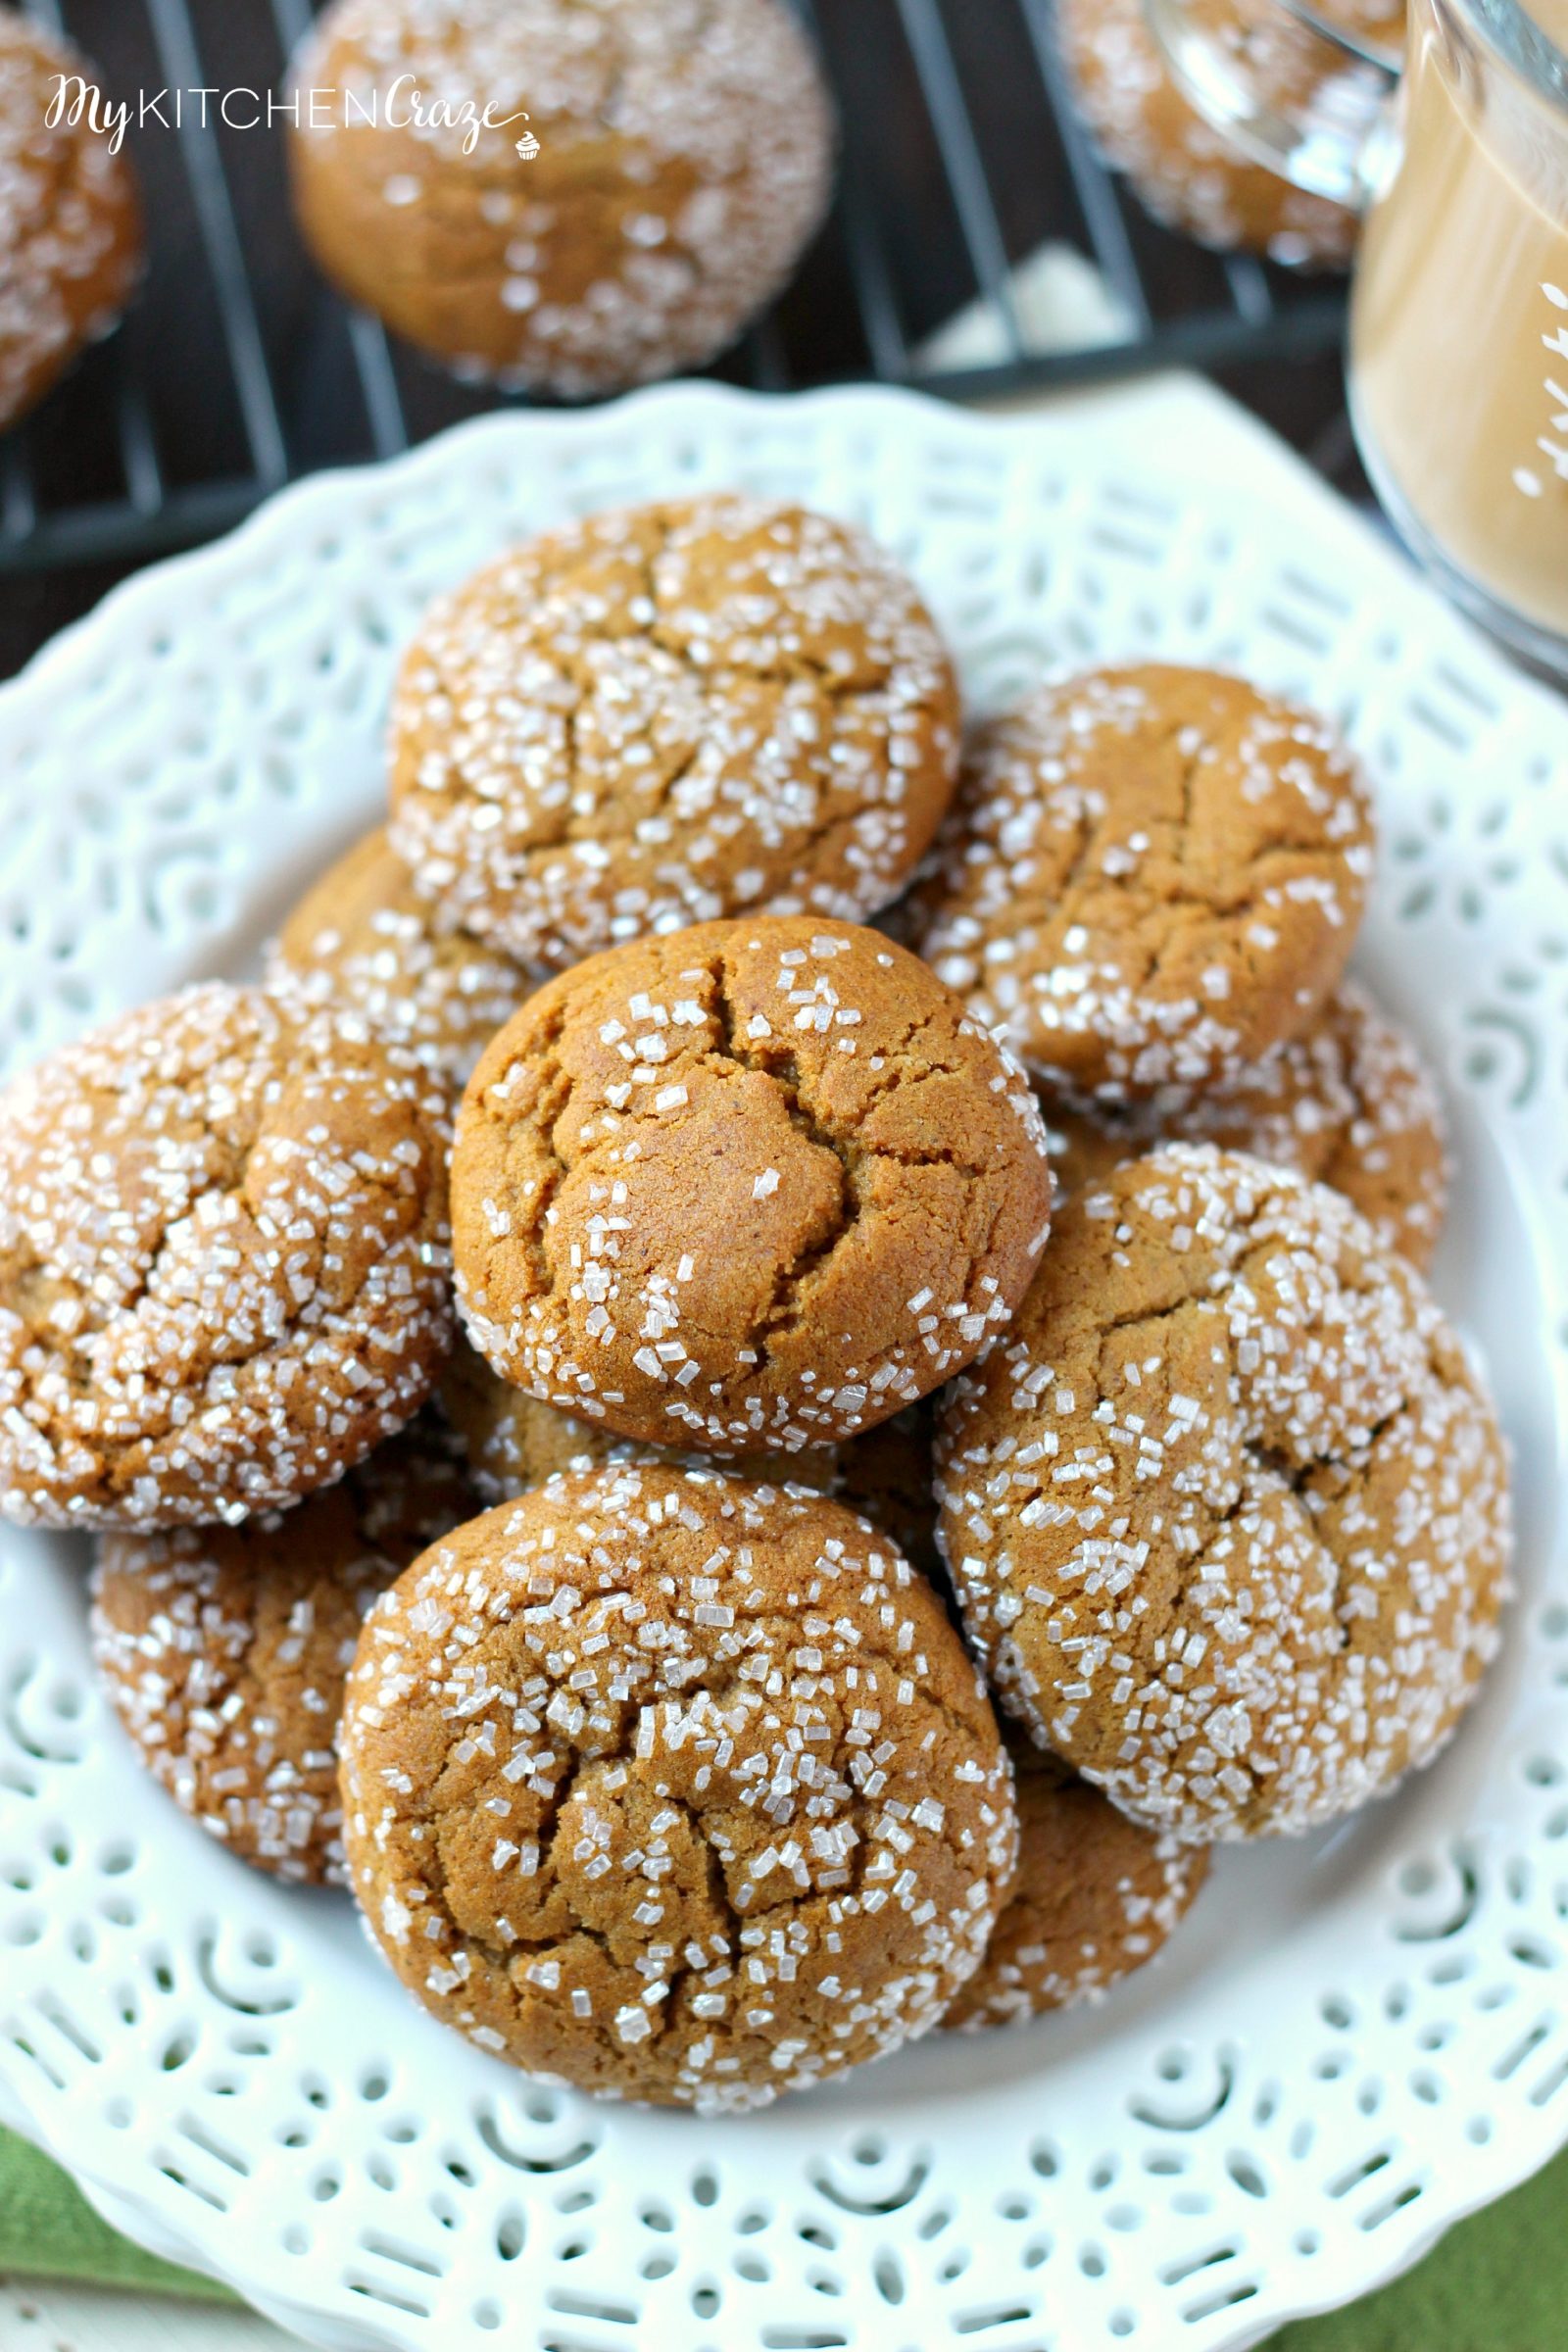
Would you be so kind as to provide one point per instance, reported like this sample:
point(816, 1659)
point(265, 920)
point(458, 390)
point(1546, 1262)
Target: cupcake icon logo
point(527, 146)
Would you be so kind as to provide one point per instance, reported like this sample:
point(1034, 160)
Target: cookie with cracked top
point(749, 1188)
point(1227, 1511)
point(668, 713)
point(224, 1263)
point(1093, 1897)
point(646, 177)
point(1352, 1103)
point(675, 1788)
point(1150, 877)
point(224, 1649)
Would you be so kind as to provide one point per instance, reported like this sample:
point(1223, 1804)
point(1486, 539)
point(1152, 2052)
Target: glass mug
point(1458, 346)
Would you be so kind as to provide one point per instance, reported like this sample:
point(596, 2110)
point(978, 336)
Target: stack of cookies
point(856, 1337)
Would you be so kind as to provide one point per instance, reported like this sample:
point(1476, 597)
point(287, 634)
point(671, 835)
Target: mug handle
point(1305, 98)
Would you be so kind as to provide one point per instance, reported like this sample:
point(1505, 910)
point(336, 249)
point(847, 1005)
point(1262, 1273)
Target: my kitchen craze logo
point(400, 107)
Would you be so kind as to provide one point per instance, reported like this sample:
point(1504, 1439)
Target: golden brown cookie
point(1152, 876)
point(1351, 1104)
point(1184, 171)
point(1094, 1896)
point(1227, 1512)
point(750, 1188)
point(666, 715)
point(223, 1261)
point(678, 161)
point(675, 1788)
point(70, 236)
point(361, 936)
point(224, 1649)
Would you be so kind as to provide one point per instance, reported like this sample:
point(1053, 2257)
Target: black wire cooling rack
point(239, 371)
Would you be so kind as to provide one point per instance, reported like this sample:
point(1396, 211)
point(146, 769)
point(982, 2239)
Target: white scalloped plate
point(1353, 2039)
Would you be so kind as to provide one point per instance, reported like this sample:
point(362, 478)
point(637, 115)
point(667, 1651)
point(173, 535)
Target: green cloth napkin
point(1497, 2282)
point(49, 2231)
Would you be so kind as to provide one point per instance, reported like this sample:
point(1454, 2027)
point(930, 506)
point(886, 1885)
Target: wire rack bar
point(175, 37)
point(1097, 198)
point(943, 93)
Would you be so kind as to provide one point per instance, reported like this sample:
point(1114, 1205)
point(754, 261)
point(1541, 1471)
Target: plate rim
point(1492, 2174)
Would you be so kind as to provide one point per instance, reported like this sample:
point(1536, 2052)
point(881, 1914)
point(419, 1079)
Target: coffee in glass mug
point(1458, 351)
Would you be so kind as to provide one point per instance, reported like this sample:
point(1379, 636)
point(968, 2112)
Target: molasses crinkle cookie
point(71, 239)
point(1351, 1104)
point(223, 1261)
point(1093, 1897)
point(361, 936)
point(1150, 877)
point(669, 161)
point(1227, 1512)
point(750, 1188)
point(1182, 170)
point(675, 1788)
point(666, 715)
point(224, 1649)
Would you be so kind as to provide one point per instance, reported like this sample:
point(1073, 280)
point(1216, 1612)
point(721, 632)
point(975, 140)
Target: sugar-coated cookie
point(675, 1788)
point(1093, 1897)
point(224, 1649)
point(1182, 170)
point(1227, 1511)
point(223, 1261)
point(665, 714)
point(749, 1188)
point(648, 176)
point(70, 233)
point(1152, 877)
point(1352, 1103)
point(361, 936)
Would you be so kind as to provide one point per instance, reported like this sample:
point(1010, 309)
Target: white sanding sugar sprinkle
point(1228, 1513)
point(223, 1261)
